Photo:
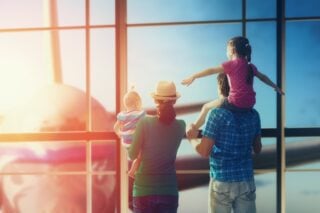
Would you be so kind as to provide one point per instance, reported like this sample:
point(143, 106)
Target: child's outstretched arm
point(206, 72)
point(192, 131)
point(265, 79)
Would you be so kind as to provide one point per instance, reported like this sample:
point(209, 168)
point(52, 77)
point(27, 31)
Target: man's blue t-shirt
point(234, 134)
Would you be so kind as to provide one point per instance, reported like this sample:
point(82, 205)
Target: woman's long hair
point(165, 111)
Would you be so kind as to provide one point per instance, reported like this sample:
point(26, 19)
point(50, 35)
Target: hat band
point(168, 96)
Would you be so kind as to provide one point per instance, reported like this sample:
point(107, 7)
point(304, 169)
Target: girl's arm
point(206, 72)
point(267, 81)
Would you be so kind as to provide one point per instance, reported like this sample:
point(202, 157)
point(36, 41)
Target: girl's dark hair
point(223, 84)
point(165, 111)
point(243, 49)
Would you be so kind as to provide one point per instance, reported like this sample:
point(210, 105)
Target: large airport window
point(59, 80)
point(58, 89)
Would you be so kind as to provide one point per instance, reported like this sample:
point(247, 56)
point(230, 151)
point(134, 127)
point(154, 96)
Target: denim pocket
point(250, 196)
point(221, 192)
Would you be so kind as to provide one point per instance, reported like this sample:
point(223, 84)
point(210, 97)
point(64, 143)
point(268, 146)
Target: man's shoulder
point(222, 112)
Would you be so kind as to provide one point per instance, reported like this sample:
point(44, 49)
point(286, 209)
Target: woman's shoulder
point(148, 118)
point(181, 123)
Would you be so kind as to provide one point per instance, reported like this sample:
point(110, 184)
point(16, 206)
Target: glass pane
point(71, 12)
point(187, 199)
point(72, 53)
point(302, 50)
point(186, 149)
point(42, 157)
point(103, 77)
point(17, 13)
point(182, 10)
point(306, 8)
point(302, 192)
point(102, 12)
point(43, 193)
point(104, 193)
point(104, 182)
point(303, 153)
point(262, 37)
point(261, 9)
point(266, 192)
point(104, 156)
point(267, 159)
point(26, 66)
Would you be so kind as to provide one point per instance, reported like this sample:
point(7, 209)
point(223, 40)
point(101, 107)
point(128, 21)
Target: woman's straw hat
point(165, 90)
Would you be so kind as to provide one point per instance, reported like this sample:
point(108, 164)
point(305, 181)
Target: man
point(228, 140)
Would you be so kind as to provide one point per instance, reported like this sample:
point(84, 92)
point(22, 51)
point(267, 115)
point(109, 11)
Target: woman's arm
point(206, 72)
point(137, 141)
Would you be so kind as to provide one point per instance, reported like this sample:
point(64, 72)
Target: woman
point(158, 138)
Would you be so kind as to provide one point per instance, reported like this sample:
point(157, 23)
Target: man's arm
point(203, 147)
point(257, 145)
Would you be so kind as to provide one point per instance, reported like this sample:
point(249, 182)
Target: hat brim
point(169, 98)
